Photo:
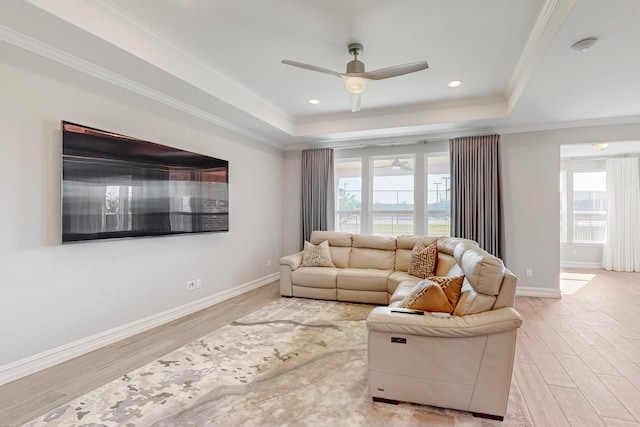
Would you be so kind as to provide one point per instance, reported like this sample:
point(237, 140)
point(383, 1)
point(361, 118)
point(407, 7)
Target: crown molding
point(132, 35)
point(40, 48)
point(550, 19)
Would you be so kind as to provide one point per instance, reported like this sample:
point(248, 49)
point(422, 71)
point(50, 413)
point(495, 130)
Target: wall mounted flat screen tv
point(115, 186)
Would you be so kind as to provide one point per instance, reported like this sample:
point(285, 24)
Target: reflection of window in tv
point(118, 204)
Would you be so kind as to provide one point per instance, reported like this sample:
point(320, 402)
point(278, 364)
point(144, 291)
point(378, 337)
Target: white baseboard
point(46, 359)
point(530, 291)
point(586, 265)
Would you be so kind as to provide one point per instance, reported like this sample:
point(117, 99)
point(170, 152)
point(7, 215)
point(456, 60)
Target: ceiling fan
point(398, 164)
point(355, 79)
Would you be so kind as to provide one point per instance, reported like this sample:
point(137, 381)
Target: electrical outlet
point(191, 285)
point(528, 272)
point(198, 283)
point(268, 263)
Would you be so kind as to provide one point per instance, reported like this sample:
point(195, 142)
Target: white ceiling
point(219, 60)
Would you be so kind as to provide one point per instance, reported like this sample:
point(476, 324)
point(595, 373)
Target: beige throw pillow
point(435, 294)
point(423, 260)
point(317, 255)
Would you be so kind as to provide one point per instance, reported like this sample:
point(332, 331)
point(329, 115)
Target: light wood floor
point(577, 361)
point(578, 358)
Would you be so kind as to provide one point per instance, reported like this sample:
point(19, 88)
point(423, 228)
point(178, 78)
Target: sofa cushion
point(436, 294)
point(449, 244)
point(372, 258)
point(340, 256)
point(445, 264)
point(316, 255)
point(401, 292)
point(408, 242)
point(374, 242)
point(423, 260)
point(398, 277)
point(472, 302)
point(315, 277)
point(335, 238)
point(483, 270)
point(362, 279)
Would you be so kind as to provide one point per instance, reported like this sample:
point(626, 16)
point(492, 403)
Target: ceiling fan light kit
point(355, 79)
point(355, 84)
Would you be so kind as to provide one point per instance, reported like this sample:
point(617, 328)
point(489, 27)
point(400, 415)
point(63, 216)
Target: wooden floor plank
point(543, 407)
point(594, 360)
point(549, 367)
point(612, 422)
point(550, 337)
point(575, 407)
point(628, 347)
point(598, 395)
point(624, 365)
point(626, 393)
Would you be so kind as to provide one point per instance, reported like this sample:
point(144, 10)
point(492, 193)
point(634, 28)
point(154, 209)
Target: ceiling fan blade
point(397, 70)
point(354, 101)
point(311, 67)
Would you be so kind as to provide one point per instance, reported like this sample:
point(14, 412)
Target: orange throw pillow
point(435, 294)
point(423, 260)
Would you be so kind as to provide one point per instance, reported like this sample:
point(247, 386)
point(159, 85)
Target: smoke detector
point(584, 45)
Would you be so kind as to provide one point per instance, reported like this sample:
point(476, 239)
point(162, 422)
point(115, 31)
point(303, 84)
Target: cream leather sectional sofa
point(463, 362)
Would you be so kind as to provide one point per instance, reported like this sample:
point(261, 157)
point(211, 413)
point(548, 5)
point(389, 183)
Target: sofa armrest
point(381, 319)
point(292, 261)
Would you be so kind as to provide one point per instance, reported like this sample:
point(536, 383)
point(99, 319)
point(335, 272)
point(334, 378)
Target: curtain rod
point(388, 144)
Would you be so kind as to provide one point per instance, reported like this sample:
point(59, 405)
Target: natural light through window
point(438, 212)
point(393, 195)
point(349, 195)
point(589, 206)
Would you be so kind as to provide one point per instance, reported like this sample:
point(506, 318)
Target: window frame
point(419, 151)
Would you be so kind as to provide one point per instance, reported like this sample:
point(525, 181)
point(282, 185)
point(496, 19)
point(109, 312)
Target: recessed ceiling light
point(313, 101)
point(584, 45)
point(454, 83)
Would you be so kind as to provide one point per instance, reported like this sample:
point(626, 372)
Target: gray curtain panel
point(317, 191)
point(476, 192)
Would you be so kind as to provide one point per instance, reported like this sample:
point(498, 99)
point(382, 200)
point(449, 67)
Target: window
point(583, 206)
point(393, 195)
point(438, 210)
point(349, 195)
point(589, 206)
point(393, 190)
point(563, 206)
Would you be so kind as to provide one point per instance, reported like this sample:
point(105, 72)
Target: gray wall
point(52, 294)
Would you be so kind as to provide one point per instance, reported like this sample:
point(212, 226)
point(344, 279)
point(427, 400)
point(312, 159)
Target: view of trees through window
point(349, 204)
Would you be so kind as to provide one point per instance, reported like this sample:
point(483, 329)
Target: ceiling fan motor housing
point(355, 66)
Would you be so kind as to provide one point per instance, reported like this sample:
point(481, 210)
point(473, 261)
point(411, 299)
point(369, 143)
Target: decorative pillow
point(435, 294)
point(423, 260)
point(452, 287)
point(316, 255)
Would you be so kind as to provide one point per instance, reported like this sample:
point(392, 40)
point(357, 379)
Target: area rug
point(295, 362)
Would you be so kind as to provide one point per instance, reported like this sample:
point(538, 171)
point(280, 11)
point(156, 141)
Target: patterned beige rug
point(295, 362)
